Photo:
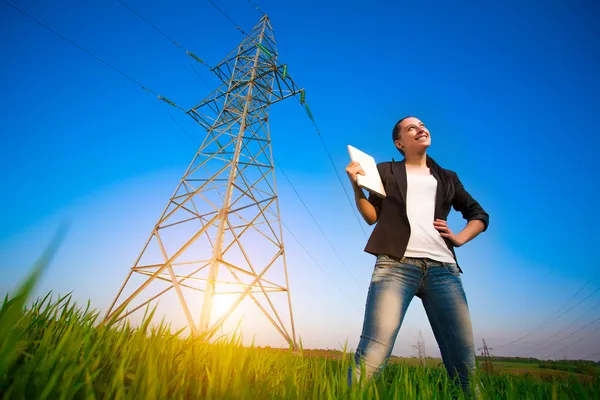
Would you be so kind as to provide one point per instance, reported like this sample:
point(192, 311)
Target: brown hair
point(396, 132)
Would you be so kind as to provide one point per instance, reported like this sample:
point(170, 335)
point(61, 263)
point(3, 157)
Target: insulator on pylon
point(167, 101)
point(308, 112)
point(302, 96)
point(284, 74)
point(264, 49)
point(195, 57)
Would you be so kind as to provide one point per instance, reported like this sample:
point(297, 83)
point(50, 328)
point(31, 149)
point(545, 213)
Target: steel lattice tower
point(222, 228)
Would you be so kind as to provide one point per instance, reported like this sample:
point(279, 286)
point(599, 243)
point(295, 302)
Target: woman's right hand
point(353, 169)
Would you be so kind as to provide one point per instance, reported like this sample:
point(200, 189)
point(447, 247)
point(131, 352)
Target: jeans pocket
point(453, 270)
point(384, 261)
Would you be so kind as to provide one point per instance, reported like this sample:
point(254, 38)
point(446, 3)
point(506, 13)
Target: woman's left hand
point(442, 227)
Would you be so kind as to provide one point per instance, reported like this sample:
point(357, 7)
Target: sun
point(221, 303)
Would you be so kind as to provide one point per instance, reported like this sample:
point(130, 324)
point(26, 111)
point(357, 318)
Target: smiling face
point(411, 136)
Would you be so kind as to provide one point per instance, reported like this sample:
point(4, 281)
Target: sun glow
point(221, 303)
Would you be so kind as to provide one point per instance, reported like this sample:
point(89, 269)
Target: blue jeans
point(393, 286)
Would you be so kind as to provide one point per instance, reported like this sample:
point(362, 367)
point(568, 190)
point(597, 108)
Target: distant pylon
point(225, 210)
point(420, 347)
point(487, 361)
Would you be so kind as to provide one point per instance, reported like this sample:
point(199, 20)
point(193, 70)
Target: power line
point(352, 206)
point(227, 16)
point(545, 323)
point(315, 261)
point(569, 335)
point(316, 223)
point(256, 7)
point(151, 24)
point(145, 88)
point(198, 75)
point(566, 327)
point(574, 343)
point(189, 53)
point(575, 305)
point(183, 130)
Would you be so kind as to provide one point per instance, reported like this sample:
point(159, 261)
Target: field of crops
point(54, 350)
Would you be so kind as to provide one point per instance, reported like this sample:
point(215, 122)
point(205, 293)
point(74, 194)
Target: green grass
point(53, 349)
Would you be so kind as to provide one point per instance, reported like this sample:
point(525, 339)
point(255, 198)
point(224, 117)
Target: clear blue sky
point(509, 91)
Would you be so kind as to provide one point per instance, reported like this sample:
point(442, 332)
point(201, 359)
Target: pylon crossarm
point(215, 101)
point(228, 122)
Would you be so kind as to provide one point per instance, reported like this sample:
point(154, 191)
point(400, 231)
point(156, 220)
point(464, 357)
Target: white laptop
point(371, 181)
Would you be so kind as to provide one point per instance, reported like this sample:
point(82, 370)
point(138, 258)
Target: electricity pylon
point(487, 363)
point(420, 347)
point(222, 227)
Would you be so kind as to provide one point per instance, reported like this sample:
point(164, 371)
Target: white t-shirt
point(425, 241)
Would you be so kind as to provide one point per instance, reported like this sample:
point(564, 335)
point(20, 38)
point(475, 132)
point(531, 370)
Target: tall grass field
point(53, 349)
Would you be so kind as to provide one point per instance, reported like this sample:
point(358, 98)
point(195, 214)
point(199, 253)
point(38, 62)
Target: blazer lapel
point(399, 171)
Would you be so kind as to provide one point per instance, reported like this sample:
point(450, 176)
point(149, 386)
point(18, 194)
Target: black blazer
point(392, 231)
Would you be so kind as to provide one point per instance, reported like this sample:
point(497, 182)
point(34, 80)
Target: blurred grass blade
point(12, 309)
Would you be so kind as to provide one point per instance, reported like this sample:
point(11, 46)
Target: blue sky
point(507, 89)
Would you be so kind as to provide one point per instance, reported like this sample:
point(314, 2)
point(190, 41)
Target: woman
point(415, 253)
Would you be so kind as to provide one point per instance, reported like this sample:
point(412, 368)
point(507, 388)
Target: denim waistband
point(419, 262)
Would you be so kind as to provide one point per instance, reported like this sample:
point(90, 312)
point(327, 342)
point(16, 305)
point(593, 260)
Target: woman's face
point(413, 138)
